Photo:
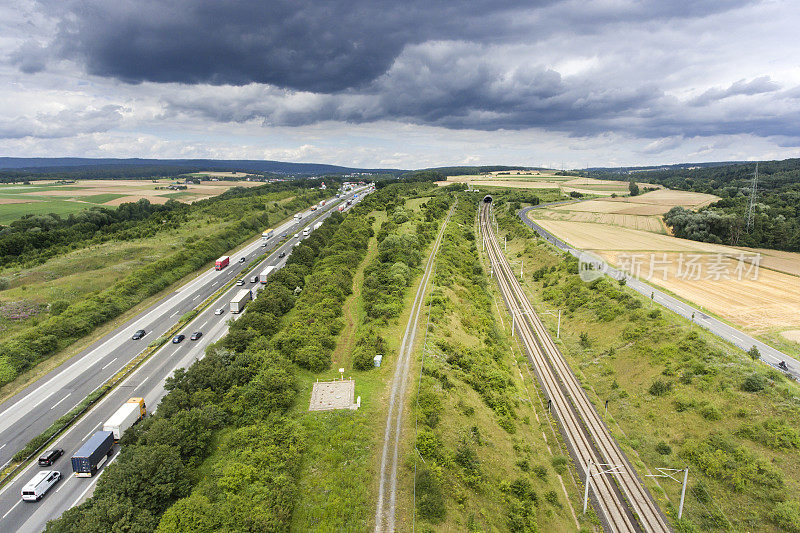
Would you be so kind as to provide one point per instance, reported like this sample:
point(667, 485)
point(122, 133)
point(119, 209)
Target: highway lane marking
point(9, 511)
point(3, 446)
point(175, 313)
point(59, 401)
point(196, 297)
point(109, 363)
point(69, 478)
point(94, 430)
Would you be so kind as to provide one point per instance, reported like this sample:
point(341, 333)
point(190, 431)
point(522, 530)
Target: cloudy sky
point(408, 84)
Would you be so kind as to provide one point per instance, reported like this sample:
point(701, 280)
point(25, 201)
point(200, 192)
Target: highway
point(769, 355)
point(621, 500)
point(33, 410)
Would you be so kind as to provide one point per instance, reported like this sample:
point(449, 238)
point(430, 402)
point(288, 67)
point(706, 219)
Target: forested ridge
point(776, 217)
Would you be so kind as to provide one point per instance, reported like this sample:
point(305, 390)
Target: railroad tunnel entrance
point(487, 199)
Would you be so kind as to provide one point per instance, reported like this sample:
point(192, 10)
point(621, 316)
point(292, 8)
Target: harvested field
point(671, 198)
point(16, 201)
point(791, 335)
point(590, 236)
point(643, 223)
point(760, 301)
point(788, 262)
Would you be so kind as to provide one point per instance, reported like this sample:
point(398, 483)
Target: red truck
point(222, 262)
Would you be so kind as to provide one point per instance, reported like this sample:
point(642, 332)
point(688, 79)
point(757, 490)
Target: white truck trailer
point(240, 300)
point(265, 274)
point(131, 412)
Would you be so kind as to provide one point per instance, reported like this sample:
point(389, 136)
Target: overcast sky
point(411, 84)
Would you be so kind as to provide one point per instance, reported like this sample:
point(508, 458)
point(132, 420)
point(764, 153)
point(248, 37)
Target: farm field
point(771, 302)
point(42, 197)
point(543, 180)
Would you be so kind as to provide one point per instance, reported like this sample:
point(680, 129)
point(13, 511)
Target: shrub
point(710, 412)
point(660, 388)
point(559, 464)
point(540, 471)
point(584, 340)
point(430, 501)
point(551, 497)
point(786, 515)
point(4, 283)
point(663, 448)
point(754, 383)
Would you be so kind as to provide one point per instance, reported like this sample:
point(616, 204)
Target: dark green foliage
point(521, 502)
point(660, 388)
point(774, 434)
point(633, 188)
point(786, 515)
point(584, 340)
point(663, 448)
point(754, 382)
point(430, 501)
point(559, 464)
point(754, 354)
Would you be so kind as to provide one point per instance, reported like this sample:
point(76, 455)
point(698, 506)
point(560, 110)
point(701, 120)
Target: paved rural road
point(105, 358)
point(769, 355)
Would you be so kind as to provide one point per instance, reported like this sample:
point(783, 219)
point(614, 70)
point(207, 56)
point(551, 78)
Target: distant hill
point(43, 165)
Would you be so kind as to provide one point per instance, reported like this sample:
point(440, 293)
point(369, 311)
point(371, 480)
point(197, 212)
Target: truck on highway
point(240, 300)
point(341, 208)
point(268, 234)
point(265, 273)
point(131, 412)
point(314, 207)
point(317, 225)
point(93, 454)
point(222, 262)
point(322, 203)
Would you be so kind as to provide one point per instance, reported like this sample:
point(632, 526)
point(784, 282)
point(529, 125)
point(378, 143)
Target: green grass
point(704, 406)
point(12, 212)
point(99, 198)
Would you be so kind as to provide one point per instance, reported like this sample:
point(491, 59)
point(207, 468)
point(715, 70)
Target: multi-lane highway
point(769, 355)
point(34, 409)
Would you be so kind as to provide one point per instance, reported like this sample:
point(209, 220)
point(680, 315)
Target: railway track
point(387, 488)
point(622, 502)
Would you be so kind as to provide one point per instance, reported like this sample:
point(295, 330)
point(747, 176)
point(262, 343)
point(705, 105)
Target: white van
point(39, 485)
point(306, 232)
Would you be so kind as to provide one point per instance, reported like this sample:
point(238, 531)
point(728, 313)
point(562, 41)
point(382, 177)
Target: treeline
point(237, 470)
point(35, 238)
point(454, 471)
point(776, 220)
point(66, 325)
point(390, 273)
point(242, 384)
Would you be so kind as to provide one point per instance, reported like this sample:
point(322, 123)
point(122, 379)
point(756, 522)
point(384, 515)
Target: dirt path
point(387, 491)
point(344, 348)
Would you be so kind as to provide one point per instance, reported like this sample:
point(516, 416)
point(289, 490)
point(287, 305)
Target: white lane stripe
point(59, 401)
point(9, 511)
point(109, 363)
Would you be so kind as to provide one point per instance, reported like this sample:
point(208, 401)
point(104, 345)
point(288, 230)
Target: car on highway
point(138, 335)
point(253, 279)
point(296, 235)
point(178, 338)
point(281, 255)
point(242, 259)
point(196, 335)
point(39, 485)
point(283, 235)
point(49, 457)
point(219, 311)
point(263, 245)
point(240, 282)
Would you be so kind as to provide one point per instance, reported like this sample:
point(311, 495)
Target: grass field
point(731, 420)
point(39, 198)
point(543, 180)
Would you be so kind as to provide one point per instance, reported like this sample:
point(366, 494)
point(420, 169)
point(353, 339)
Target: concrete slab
point(330, 395)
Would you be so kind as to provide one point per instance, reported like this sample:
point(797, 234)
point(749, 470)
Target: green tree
point(633, 188)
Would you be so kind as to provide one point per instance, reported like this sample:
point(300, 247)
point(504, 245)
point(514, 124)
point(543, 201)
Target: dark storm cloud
point(311, 45)
point(759, 85)
point(30, 57)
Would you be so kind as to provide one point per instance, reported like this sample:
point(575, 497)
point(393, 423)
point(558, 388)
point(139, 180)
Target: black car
point(243, 259)
point(138, 335)
point(49, 457)
point(282, 255)
point(178, 338)
point(196, 335)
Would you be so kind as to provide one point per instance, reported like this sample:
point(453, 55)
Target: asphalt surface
point(769, 355)
point(34, 409)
